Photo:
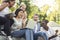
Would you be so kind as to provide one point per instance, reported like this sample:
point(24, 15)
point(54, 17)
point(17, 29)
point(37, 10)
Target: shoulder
point(14, 19)
point(30, 20)
point(50, 28)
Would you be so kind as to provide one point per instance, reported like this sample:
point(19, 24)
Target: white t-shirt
point(16, 24)
point(49, 33)
point(4, 11)
point(35, 27)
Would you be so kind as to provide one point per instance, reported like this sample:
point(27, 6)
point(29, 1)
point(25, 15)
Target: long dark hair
point(17, 11)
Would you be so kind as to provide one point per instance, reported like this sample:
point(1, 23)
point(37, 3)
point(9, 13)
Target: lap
point(21, 33)
point(41, 34)
point(18, 33)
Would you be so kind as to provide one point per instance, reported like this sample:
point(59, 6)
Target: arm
point(52, 37)
point(24, 23)
point(3, 5)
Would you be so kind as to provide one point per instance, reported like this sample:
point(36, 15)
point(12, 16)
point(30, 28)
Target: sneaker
point(9, 37)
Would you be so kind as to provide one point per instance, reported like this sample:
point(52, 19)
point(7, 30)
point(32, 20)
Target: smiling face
point(20, 14)
point(36, 17)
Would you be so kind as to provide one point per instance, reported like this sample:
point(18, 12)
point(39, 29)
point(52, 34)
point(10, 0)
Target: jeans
point(4, 21)
point(26, 33)
point(7, 25)
point(40, 34)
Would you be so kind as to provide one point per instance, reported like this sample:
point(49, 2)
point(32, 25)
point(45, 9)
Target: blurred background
point(47, 9)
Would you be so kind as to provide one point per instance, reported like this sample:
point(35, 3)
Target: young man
point(48, 30)
point(4, 10)
point(35, 25)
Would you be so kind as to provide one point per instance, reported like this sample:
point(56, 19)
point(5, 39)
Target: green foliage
point(32, 9)
point(0, 1)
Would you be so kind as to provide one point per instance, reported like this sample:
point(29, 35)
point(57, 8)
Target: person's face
point(43, 24)
point(23, 7)
point(11, 3)
point(20, 14)
point(36, 18)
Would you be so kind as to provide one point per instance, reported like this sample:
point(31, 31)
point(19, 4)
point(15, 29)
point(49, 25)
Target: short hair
point(22, 4)
point(17, 11)
point(46, 21)
point(36, 15)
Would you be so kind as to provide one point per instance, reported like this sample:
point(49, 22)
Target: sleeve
point(30, 24)
point(52, 31)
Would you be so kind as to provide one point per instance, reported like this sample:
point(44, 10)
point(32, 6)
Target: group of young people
point(18, 25)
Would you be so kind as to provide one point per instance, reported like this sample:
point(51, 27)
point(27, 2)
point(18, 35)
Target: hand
point(24, 21)
point(18, 27)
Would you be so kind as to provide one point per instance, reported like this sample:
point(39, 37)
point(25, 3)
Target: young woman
point(17, 29)
point(17, 20)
